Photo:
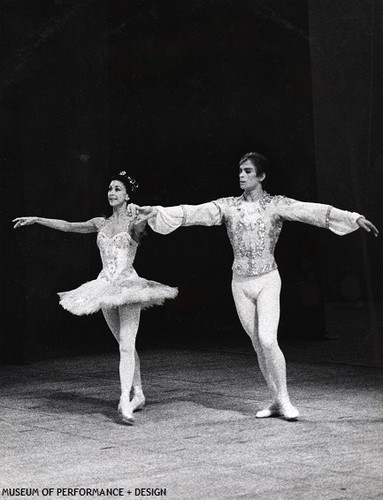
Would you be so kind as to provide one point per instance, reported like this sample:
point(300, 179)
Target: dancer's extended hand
point(138, 213)
point(367, 226)
point(24, 221)
point(132, 210)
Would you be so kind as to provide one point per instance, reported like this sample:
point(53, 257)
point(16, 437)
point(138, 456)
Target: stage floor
point(197, 437)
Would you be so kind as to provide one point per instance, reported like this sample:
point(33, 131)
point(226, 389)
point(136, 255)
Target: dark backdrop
point(175, 92)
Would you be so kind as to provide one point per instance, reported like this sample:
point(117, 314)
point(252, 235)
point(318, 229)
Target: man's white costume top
point(253, 227)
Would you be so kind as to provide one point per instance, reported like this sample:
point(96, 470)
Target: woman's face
point(117, 194)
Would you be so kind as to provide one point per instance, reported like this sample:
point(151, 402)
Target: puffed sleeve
point(338, 221)
point(168, 219)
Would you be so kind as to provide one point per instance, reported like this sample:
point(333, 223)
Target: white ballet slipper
point(289, 412)
point(271, 411)
point(284, 410)
point(126, 411)
point(138, 401)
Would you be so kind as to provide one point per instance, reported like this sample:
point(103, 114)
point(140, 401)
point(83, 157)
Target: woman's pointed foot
point(126, 412)
point(138, 401)
point(127, 418)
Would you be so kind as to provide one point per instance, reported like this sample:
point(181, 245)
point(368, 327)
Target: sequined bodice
point(117, 254)
point(253, 230)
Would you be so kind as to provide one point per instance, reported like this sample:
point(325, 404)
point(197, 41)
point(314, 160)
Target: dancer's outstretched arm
point(338, 221)
point(90, 226)
point(164, 220)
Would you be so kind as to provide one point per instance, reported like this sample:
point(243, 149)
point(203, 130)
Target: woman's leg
point(138, 398)
point(129, 322)
point(112, 318)
point(268, 320)
point(248, 315)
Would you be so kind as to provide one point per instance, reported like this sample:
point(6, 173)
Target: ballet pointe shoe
point(138, 401)
point(285, 410)
point(125, 410)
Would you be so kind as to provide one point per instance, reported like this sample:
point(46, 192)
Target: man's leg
point(245, 303)
point(268, 320)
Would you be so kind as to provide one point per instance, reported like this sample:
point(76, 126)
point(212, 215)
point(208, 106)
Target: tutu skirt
point(105, 293)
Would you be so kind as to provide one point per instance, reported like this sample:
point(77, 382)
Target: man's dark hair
point(259, 162)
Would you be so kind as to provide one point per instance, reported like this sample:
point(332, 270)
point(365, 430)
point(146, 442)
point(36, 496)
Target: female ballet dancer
point(254, 222)
point(118, 291)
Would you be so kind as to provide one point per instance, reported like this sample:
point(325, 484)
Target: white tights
point(257, 303)
point(123, 322)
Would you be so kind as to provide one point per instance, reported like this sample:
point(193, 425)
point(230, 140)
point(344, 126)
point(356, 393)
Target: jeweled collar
point(262, 200)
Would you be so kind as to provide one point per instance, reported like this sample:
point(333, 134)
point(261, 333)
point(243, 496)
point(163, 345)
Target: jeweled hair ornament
point(133, 183)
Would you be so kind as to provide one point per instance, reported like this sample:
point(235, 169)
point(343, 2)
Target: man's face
point(248, 178)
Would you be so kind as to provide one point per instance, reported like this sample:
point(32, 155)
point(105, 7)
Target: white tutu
point(103, 293)
point(118, 283)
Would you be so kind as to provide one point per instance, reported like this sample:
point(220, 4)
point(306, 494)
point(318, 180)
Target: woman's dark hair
point(259, 162)
point(131, 185)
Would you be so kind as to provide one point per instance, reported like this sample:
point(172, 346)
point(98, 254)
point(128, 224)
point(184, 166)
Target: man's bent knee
point(268, 343)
